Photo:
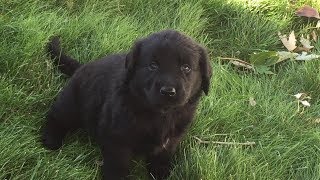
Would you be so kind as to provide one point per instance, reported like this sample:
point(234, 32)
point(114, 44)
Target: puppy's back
point(93, 84)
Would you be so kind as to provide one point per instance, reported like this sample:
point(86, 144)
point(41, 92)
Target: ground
point(287, 139)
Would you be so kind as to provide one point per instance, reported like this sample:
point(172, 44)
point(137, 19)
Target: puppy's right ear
point(206, 70)
point(133, 55)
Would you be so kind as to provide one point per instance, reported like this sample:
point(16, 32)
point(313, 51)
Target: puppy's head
point(167, 69)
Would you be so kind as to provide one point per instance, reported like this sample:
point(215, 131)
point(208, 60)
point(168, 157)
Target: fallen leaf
point(301, 49)
point(318, 24)
point(305, 103)
point(298, 96)
point(284, 55)
point(317, 120)
point(308, 11)
point(302, 96)
point(307, 57)
point(288, 42)
point(252, 102)
point(306, 43)
point(267, 58)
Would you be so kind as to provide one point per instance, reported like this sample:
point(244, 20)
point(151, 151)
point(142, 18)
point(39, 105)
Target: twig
point(224, 143)
point(221, 134)
point(239, 63)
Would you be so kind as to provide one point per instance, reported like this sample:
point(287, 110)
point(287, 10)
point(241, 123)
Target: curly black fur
point(139, 103)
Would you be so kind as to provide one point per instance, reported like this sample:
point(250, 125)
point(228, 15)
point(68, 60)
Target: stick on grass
point(248, 143)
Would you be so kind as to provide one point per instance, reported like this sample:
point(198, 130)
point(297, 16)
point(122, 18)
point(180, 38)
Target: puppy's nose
point(168, 91)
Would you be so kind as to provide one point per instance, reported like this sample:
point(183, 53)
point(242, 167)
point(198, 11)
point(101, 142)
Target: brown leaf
point(288, 42)
point(308, 11)
point(300, 49)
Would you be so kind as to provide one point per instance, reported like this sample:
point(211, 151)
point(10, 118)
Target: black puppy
point(138, 103)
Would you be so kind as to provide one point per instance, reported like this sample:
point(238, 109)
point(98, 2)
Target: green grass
point(287, 141)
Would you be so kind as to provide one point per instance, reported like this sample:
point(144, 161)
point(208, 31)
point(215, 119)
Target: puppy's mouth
point(165, 109)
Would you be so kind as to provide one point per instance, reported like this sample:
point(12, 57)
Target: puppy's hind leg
point(53, 133)
point(61, 119)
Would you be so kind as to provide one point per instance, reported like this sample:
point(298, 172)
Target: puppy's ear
point(206, 70)
point(133, 55)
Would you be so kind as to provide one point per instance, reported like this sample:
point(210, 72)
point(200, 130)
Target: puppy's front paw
point(51, 141)
point(159, 172)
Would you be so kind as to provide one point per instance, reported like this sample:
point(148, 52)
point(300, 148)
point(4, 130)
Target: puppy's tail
point(66, 64)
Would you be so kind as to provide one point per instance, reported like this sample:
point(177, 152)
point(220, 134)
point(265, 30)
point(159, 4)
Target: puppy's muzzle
point(167, 91)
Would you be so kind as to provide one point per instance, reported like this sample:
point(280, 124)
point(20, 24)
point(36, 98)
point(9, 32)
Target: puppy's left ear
point(206, 70)
point(133, 55)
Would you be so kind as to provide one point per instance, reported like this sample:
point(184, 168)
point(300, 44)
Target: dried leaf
point(252, 102)
point(305, 103)
point(289, 43)
point(318, 24)
point(308, 11)
point(301, 49)
point(284, 55)
point(305, 57)
point(298, 96)
point(317, 121)
point(301, 96)
point(267, 58)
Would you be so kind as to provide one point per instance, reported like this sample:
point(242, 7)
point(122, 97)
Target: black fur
point(66, 64)
point(139, 103)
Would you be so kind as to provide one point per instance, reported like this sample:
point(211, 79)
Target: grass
point(287, 140)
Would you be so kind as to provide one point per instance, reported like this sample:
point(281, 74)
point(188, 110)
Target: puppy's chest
point(154, 134)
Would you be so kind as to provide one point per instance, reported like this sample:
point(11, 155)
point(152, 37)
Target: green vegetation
point(287, 140)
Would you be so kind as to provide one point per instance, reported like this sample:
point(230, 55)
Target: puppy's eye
point(185, 68)
point(153, 66)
